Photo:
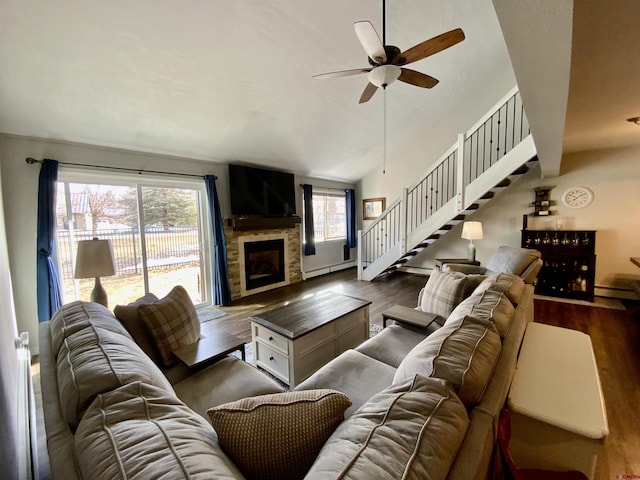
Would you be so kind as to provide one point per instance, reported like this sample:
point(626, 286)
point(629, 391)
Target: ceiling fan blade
point(343, 73)
point(368, 92)
point(370, 41)
point(430, 47)
point(418, 79)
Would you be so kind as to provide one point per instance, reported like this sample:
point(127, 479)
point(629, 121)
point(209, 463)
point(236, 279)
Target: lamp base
point(471, 251)
point(99, 294)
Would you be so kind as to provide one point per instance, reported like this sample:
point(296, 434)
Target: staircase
point(483, 162)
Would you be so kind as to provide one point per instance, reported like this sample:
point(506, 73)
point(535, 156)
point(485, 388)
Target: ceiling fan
point(387, 61)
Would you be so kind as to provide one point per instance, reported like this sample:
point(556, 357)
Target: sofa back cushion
point(173, 322)
point(141, 431)
point(442, 292)
point(95, 360)
point(487, 306)
point(512, 259)
point(464, 354)
point(410, 430)
point(128, 315)
point(75, 316)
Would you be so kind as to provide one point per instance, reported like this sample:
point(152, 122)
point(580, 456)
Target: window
point(158, 230)
point(329, 216)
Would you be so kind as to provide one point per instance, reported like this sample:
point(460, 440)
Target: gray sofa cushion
point(410, 430)
point(128, 315)
point(464, 354)
point(141, 431)
point(353, 373)
point(486, 306)
point(95, 360)
point(75, 316)
point(391, 345)
point(220, 383)
point(512, 259)
point(508, 283)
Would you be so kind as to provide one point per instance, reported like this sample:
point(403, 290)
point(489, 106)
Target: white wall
point(8, 362)
point(614, 177)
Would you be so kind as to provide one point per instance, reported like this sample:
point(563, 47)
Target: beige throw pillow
point(278, 436)
point(443, 291)
point(172, 322)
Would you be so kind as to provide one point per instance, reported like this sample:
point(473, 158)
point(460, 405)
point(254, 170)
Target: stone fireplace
point(262, 259)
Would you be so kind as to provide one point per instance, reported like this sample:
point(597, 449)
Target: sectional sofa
point(420, 403)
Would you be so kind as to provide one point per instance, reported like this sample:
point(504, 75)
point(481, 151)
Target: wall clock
point(577, 197)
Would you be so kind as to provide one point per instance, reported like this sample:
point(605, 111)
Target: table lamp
point(94, 259)
point(471, 231)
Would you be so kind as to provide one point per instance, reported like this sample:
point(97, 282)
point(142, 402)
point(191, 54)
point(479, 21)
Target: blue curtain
point(307, 197)
point(221, 289)
point(350, 201)
point(47, 281)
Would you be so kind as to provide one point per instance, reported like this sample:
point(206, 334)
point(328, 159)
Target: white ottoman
point(558, 416)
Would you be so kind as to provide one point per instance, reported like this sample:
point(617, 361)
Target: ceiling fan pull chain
point(384, 133)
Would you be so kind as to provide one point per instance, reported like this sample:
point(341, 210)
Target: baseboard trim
point(331, 268)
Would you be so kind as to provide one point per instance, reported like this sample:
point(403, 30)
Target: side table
point(209, 349)
point(441, 261)
point(408, 315)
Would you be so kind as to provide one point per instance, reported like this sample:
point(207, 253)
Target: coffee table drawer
point(271, 338)
point(272, 360)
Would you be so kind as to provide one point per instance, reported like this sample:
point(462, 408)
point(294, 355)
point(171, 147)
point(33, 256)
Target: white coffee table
point(293, 341)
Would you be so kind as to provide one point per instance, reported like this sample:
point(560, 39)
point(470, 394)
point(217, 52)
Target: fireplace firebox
point(264, 263)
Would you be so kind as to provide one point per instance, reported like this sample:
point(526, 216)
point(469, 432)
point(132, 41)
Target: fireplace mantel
point(262, 223)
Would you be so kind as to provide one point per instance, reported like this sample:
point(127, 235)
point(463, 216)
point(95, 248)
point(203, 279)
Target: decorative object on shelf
point(542, 203)
point(577, 197)
point(569, 262)
point(471, 231)
point(373, 207)
point(94, 260)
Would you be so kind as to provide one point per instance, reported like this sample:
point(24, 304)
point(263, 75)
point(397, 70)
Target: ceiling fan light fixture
point(635, 120)
point(384, 75)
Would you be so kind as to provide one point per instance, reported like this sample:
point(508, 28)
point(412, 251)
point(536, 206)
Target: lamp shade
point(94, 259)
point(472, 230)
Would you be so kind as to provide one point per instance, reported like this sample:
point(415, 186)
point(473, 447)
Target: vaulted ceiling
point(231, 81)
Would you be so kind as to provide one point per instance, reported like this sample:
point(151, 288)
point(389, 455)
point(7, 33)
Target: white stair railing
point(450, 186)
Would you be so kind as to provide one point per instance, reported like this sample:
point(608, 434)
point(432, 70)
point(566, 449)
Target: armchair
point(525, 262)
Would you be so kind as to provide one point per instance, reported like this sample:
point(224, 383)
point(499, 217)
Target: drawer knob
point(271, 339)
point(271, 359)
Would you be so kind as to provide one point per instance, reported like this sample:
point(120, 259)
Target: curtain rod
point(326, 188)
point(31, 161)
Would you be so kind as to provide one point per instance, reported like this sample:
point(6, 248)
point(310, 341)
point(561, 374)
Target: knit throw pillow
point(172, 321)
point(443, 292)
point(279, 435)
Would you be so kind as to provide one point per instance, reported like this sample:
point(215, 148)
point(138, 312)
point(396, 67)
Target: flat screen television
point(260, 192)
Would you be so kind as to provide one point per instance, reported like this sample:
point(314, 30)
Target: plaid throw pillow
point(279, 435)
point(443, 292)
point(172, 321)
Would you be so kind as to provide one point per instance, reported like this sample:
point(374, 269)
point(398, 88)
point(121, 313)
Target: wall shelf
point(262, 223)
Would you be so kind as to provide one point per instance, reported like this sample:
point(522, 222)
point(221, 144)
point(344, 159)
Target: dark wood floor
point(614, 333)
